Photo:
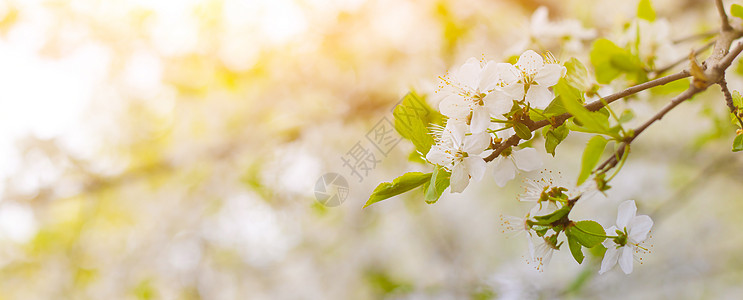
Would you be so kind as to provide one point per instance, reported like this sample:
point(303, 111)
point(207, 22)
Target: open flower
point(507, 164)
point(631, 230)
point(541, 251)
point(537, 76)
point(470, 92)
point(460, 154)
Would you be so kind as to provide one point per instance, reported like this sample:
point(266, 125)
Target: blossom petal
point(480, 119)
point(454, 107)
point(476, 143)
point(610, 259)
point(626, 259)
point(539, 96)
point(505, 170)
point(527, 159)
point(507, 73)
point(469, 73)
point(639, 227)
point(475, 167)
point(625, 213)
point(608, 243)
point(438, 156)
point(488, 76)
point(515, 91)
point(530, 63)
point(550, 74)
point(498, 104)
point(457, 131)
point(459, 178)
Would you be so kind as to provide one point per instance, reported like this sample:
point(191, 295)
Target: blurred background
point(171, 150)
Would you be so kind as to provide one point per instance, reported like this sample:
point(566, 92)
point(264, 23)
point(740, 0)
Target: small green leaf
point(435, 187)
point(412, 119)
point(577, 74)
point(592, 121)
point(554, 216)
point(738, 143)
point(737, 11)
point(591, 156)
point(626, 116)
point(553, 137)
point(737, 99)
point(522, 131)
point(575, 248)
point(588, 233)
point(645, 10)
point(601, 52)
point(404, 183)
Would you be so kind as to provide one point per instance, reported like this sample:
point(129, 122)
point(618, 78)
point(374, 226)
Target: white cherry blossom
point(635, 230)
point(460, 154)
point(471, 93)
point(506, 165)
point(537, 76)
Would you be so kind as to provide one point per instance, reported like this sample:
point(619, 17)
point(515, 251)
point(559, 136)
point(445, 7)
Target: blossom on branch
point(632, 230)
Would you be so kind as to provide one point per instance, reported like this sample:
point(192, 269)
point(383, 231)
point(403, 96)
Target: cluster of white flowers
point(477, 92)
point(567, 34)
point(624, 242)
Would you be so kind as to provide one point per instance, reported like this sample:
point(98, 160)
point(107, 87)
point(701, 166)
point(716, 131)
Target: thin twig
point(723, 15)
point(697, 36)
point(729, 100)
point(593, 106)
point(683, 59)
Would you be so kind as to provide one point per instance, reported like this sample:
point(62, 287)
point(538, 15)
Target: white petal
point(480, 119)
point(550, 74)
point(507, 73)
point(498, 104)
point(437, 156)
point(514, 90)
point(625, 213)
point(505, 170)
point(475, 167)
point(488, 76)
point(457, 131)
point(476, 143)
point(459, 178)
point(455, 107)
point(469, 73)
point(639, 227)
point(530, 63)
point(539, 96)
point(610, 259)
point(527, 159)
point(610, 242)
point(626, 259)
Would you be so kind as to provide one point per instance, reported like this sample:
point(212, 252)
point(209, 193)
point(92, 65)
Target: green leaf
point(412, 119)
point(404, 183)
point(601, 52)
point(575, 248)
point(737, 100)
point(737, 11)
point(592, 121)
point(553, 137)
point(738, 143)
point(436, 186)
point(577, 74)
point(609, 61)
point(645, 10)
point(554, 216)
point(522, 131)
point(627, 115)
point(591, 156)
point(588, 233)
